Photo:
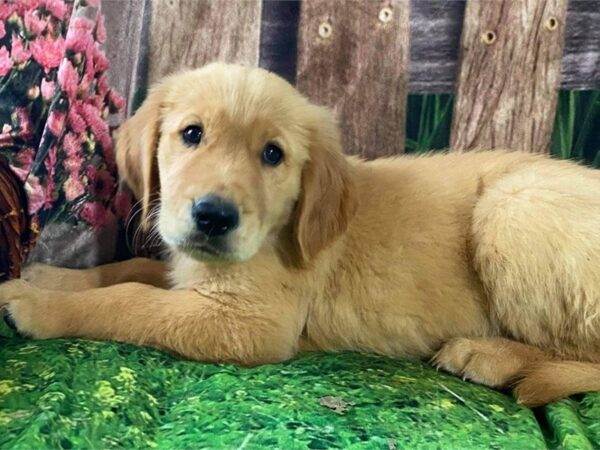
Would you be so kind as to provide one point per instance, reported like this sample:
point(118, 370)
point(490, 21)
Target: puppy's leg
point(219, 327)
point(536, 247)
point(140, 270)
point(494, 362)
point(549, 381)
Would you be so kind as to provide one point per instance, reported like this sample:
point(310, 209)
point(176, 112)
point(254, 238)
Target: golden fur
point(486, 262)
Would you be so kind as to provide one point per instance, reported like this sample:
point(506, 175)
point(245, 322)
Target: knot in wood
point(488, 37)
point(551, 24)
point(386, 14)
point(325, 30)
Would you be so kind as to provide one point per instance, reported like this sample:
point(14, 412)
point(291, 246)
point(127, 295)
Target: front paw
point(473, 360)
point(27, 310)
point(49, 277)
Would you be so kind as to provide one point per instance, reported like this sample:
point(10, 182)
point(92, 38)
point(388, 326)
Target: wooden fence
point(504, 59)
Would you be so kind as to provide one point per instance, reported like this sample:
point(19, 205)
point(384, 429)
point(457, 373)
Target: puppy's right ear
point(136, 143)
point(328, 199)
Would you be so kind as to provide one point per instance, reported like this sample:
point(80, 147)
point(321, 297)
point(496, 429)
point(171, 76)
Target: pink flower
point(68, 78)
point(35, 194)
point(48, 88)
point(50, 162)
point(97, 102)
point(89, 70)
point(102, 86)
point(91, 114)
point(81, 23)
point(25, 157)
point(96, 62)
point(79, 40)
point(72, 144)
point(25, 160)
point(53, 27)
point(49, 194)
point(73, 164)
point(34, 23)
point(101, 30)
point(24, 122)
point(21, 172)
point(83, 89)
point(99, 127)
point(95, 214)
point(73, 188)
point(6, 9)
point(101, 63)
point(117, 101)
point(122, 204)
point(102, 183)
point(46, 52)
point(18, 52)
point(2, 29)
point(72, 147)
point(26, 5)
point(75, 121)
point(56, 122)
point(5, 62)
point(39, 196)
point(56, 7)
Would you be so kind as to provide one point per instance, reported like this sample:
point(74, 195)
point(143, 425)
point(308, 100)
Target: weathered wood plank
point(509, 76)
point(353, 57)
point(279, 37)
point(435, 28)
point(191, 33)
point(581, 60)
point(126, 45)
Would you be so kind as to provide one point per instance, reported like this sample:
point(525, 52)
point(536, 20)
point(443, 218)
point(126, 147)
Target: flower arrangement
point(55, 103)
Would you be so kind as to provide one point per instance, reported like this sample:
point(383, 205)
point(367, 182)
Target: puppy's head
point(238, 157)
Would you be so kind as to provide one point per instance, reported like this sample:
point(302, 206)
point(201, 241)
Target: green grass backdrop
point(576, 127)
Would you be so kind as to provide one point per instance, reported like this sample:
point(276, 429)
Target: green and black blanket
point(97, 395)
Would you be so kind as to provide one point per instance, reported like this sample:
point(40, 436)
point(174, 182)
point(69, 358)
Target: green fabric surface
point(83, 394)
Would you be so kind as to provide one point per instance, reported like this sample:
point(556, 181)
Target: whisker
point(139, 238)
point(150, 238)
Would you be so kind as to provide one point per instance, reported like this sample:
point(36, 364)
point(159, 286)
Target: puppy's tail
point(546, 381)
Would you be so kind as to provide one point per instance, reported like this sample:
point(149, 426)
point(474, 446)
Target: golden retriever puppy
point(485, 262)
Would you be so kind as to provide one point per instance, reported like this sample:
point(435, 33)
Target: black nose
point(215, 216)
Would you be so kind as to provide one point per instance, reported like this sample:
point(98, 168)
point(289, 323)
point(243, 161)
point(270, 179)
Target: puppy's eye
point(272, 155)
point(192, 135)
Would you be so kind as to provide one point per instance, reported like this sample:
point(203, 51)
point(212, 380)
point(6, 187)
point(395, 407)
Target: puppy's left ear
point(328, 197)
point(137, 141)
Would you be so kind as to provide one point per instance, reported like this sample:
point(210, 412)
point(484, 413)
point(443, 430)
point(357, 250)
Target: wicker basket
point(14, 229)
